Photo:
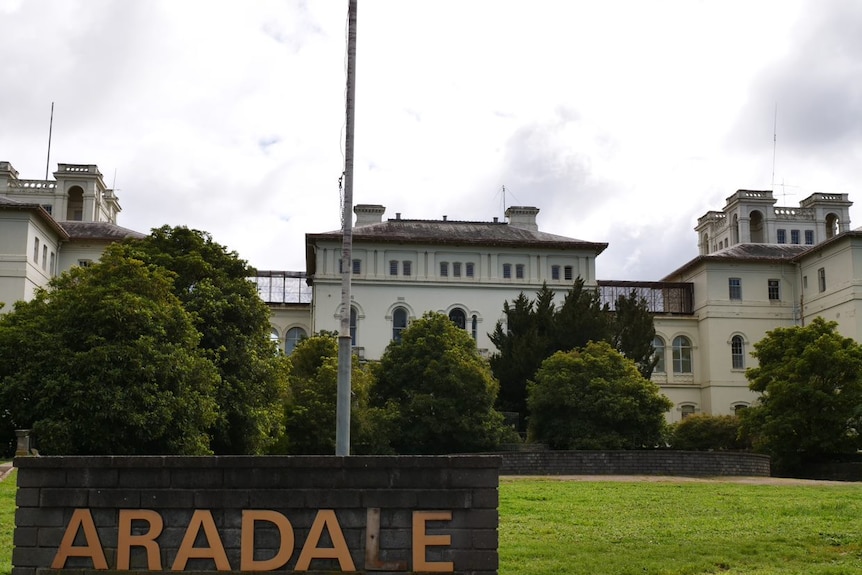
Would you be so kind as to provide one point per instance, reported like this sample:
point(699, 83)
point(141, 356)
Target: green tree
point(535, 329)
point(106, 361)
point(310, 411)
point(521, 347)
point(594, 398)
point(213, 285)
point(443, 390)
point(704, 432)
point(633, 332)
point(810, 407)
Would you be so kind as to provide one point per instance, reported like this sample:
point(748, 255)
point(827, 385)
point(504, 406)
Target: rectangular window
point(735, 288)
point(555, 272)
point(444, 269)
point(519, 271)
point(53, 268)
point(44, 256)
point(809, 237)
point(407, 267)
point(507, 271)
point(567, 271)
point(393, 267)
point(773, 290)
point(782, 236)
point(794, 236)
point(357, 267)
point(85, 263)
point(821, 279)
point(804, 282)
point(48, 208)
point(36, 251)
point(469, 269)
point(456, 269)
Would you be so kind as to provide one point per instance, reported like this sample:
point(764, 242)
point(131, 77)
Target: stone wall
point(390, 514)
point(653, 462)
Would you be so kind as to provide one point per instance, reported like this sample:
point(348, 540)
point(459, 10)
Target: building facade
point(48, 226)
point(760, 266)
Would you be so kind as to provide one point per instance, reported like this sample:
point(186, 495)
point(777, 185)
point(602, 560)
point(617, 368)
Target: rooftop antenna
point(774, 143)
point(50, 130)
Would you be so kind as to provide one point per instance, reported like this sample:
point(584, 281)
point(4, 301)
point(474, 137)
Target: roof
point(10, 204)
point(452, 233)
point(746, 253)
point(102, 231)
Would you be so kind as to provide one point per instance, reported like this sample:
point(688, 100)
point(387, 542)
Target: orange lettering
point(421, 540)
point(201, 518)
point(325, 518)
point(92, 549)
point(125, 539)
point(285, 550)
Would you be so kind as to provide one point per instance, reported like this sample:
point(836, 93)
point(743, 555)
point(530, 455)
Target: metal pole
point(342, 425)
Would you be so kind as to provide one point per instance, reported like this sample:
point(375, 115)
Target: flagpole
point(345, 352)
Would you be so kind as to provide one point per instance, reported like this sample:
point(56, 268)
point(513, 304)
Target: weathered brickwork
point(362, 492)
point(658, 462)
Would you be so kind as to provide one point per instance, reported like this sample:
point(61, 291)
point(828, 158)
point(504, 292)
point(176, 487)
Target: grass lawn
point(551, 527)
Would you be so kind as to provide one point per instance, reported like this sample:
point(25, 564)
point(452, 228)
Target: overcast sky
point(623, 121)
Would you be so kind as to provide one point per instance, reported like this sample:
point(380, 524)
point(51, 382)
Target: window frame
point(781, 236)
point(507, 271)
point(393, 267)
point(555, 272)
point(734, 288)
point(794, 237)
point(682, 355)
point(291, 340)
point(456, 269)
point(659, 352)
point(407, 268)
point(444, 269)
point(737, 352)
point(809, 237)
point(469, 269)
point(821, 279)
point(399, 323)
point(519, 271)
point(569, 273)
point(773, 289)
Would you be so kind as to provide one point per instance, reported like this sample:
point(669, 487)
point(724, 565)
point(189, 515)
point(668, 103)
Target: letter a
point(201, 518)
point(93, 548)
point(325, 518)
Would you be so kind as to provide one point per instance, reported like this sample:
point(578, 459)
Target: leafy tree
point(581, 319)
point(810, 407)
point(310, 413)
point(443, 390)
point(521, 347)
point(633, 332)
point(594, 398)
point(707, 432)
point(106, 361)
point(212, 283)
point(535, 329)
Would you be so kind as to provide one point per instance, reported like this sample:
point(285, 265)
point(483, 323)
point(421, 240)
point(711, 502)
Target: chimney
point(523, 217)
point(368, 214)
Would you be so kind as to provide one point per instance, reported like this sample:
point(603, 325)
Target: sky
point(623, 121)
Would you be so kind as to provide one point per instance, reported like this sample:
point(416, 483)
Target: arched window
point(734, 229)
point(681, 354)
point(737, 352)
point(459, 318)
point(756, 226)
point(687, 409)
point(399, 323)
point(273, 336)
point(658, 345)
point(738, 407)
point(292, 338)
point(353, 330)
point(831, 226)
point(75, 204)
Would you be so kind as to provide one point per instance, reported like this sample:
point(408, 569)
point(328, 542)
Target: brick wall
point(657, 462)
point(50, 489)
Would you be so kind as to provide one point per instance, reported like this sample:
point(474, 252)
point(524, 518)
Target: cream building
point(760, 266)
point(48, 226)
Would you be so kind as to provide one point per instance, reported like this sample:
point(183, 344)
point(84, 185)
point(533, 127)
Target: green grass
point(7, 522)
point(550, 527)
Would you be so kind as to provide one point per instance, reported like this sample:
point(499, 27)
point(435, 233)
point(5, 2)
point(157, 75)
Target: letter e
point(422, 540)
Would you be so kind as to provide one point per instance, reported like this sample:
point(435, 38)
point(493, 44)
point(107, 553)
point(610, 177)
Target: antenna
point(774, 143)
point(50, 130)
